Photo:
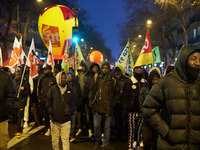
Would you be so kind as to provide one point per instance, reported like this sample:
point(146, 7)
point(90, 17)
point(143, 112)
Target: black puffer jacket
point(173, 108)
point(7, 95)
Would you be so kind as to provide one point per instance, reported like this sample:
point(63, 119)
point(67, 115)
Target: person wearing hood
point(60, 105)
point(77, 98)
point(23, 93)
point(119, 111)
point(105, 95)
point(131, 102)
point(86, 82)
point(149, 135)
point(170, 69)
point(172, 106)
point(45, 82)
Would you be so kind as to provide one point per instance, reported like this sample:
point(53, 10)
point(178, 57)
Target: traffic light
point(75, 36)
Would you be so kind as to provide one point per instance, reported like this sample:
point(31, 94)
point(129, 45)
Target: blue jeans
point(98, 117)
point(73, 123)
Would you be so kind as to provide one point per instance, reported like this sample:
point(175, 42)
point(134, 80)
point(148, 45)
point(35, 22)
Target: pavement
point(33, 138)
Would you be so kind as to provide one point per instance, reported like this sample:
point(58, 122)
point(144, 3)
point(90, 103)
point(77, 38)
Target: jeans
point(62, 130)
point(73, 123)
point(97, 127)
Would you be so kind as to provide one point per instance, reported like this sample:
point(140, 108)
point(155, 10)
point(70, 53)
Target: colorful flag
point(65, 62)
point(32, 63)
point(124, 56)
point(50, 60)
point(1, 58)
point(156, 55)
point(79, 57)
point(145, 56)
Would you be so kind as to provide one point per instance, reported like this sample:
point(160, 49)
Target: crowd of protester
point(149, 110)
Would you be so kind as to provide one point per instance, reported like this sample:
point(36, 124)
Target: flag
point(32, 63)
point(145, 56)
point(130, 64)
point(14, 56)
point(1, 58)
point(65, 61)
point(79, 57)
point(156, 55)
point(20, 53)
point(124, 56)
point(50, 60)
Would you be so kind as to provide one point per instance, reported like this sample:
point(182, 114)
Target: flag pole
point(21, 79)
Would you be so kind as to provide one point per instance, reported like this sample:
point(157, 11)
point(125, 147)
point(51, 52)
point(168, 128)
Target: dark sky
point(106, 14)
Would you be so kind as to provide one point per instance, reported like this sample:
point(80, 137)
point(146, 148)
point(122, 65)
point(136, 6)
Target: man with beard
point(131, 101)
point(172, 106)
point(44, 84)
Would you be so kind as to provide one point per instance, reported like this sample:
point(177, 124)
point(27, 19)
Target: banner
point(124, 55)
point(20, 53)
point(156, 55)
point(145, 56)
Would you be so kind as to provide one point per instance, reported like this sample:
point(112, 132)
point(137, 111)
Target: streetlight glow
point(91, 47)
point(39, 0)
point(139, 36)
point(82, 40)
point(134, 45)
point(149, 22)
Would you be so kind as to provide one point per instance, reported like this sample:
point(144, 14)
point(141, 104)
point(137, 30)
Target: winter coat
point(44, 84)
point(105, 94)
point(22, 99)
point(7, 95)
point(60, 106)
point(131, 94)
point(86, 82)
point(172, 108)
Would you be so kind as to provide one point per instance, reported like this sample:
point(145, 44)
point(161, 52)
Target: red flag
point(50, 60)
point(145, 56)
point(20, 53)
point(32, 63)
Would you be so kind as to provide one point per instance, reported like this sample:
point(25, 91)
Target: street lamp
point(139, 35)
point(149, 22)
point(82, 40)
point(39, 0)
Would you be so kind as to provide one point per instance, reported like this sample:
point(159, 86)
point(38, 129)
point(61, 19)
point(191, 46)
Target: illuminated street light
point(149, 22)
point(39, 0)
point(139, 36)
point(82, 40)
point(91, 47)
point(134, 45)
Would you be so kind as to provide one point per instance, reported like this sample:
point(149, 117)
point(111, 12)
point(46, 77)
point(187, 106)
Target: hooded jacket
point(105, 94)
point(60, 101)
point(7, 95)
point(131, 93)
point(172, 108)
point(44, 84)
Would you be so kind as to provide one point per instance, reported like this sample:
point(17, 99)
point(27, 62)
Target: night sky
point(106, 14)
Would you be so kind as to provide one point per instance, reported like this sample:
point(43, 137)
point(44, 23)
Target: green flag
point(79, 57)
point(156, 55)
point(65, 62)
point(130, 64)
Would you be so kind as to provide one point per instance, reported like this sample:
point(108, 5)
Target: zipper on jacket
point(189, 119)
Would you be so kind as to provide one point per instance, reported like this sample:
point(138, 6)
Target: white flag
point(50, 60)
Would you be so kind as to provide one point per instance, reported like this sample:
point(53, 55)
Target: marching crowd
point(150, 110)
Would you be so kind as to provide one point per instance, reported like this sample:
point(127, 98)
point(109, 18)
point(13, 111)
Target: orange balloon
point(55, 24)
point(96, 56)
